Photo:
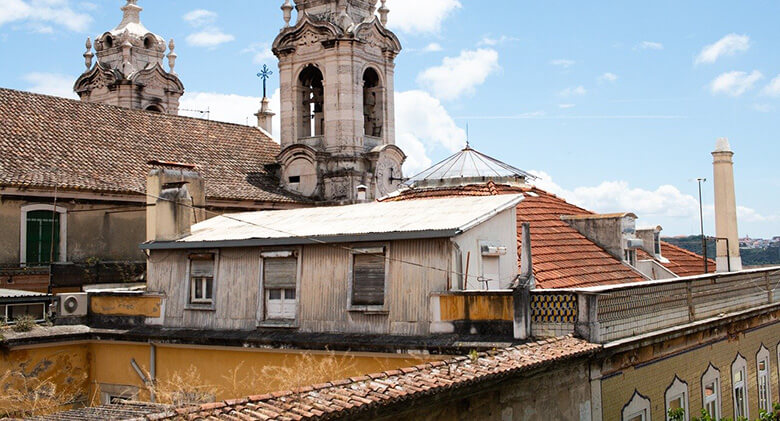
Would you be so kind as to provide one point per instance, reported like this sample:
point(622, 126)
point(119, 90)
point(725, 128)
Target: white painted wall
point(501, 230)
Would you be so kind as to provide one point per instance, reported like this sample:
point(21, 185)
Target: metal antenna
point(264, 74)
point(467, 135)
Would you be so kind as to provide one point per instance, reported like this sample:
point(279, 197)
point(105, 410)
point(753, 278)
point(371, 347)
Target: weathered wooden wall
point(416, 268)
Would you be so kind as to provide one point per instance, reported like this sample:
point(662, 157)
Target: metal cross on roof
point(264, 74)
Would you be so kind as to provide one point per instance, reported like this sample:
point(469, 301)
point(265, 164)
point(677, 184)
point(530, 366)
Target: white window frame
point(711, 375)
point(678, 389)
point(379, 309)
point(63, 230)
point(639, 405)
point(262, 319)
point(193, 304)
point(11, 322)
point(739, 365)
point(766, 377)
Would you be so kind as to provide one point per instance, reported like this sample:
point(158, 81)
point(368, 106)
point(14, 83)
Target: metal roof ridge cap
point(511, 203)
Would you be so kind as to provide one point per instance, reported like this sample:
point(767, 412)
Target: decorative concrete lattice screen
point(553, 314)
point(554, 308)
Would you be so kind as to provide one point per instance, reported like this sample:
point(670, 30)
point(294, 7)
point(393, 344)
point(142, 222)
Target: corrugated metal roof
point(468, 164)
point(15, 293)
point(432, 218)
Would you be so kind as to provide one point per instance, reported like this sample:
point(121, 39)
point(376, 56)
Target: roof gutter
point(288, 241)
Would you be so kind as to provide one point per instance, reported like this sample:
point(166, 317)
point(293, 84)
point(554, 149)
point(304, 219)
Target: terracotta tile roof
point(680, 261)
point(357, 395)
point(562, 257)
point(47, 141)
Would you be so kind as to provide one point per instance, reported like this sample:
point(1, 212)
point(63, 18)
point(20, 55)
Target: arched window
point(311, 116)
point(373, 101)
point(763, 377)
point(155, 109)
point(739, 387)
point(710, 391)
point(637, 409)
point(43, 235)
point(677, 396)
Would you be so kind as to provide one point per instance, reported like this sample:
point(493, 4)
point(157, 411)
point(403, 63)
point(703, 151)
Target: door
point(43, 237)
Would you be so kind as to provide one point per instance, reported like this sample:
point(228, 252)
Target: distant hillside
point(750, 257)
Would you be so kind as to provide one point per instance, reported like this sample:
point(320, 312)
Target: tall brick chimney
point(727, 256)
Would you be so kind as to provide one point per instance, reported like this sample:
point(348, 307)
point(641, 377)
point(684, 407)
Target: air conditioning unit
point(73, 304)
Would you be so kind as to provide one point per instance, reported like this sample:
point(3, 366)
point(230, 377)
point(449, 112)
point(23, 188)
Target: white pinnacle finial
point(88, 55)
point(383, 11)
point(287, 12)
point(722, 145)
point(172, 56)
point(131, 13)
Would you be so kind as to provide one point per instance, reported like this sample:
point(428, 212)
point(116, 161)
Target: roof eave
point(290, 241)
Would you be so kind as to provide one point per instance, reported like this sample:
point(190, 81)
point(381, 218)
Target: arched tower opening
point(311, 114)
point(373, 101)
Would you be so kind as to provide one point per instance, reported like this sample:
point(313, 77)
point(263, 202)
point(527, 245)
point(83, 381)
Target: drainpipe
point(152, 370)
point(521, 288)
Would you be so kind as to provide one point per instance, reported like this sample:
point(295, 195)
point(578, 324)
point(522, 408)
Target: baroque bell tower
point(129, 70)
point(336, 67)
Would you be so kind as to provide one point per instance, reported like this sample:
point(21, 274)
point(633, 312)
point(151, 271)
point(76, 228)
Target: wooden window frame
point(740, 365)
point(764, 355)
point(678, 389)
point(202, 305)
point(637, 405)
point(710, 376)
point(361, 249)
point(261, 316)
point(63, 246)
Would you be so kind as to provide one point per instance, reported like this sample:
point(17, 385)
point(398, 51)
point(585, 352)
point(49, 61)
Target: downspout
point(521, 288)
point(152, 370)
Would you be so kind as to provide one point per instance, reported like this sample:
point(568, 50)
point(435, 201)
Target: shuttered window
point(43, 237)
point(202, 278)
point(279, 279)
point(368, 277)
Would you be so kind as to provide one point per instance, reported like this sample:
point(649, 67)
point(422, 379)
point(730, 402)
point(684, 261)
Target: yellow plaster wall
point(148, 306)
point(476, 307)
point(88, 365)
point(653, 379)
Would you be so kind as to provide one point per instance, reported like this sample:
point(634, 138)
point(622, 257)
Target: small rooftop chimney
point(175, 200)
point(727, 256)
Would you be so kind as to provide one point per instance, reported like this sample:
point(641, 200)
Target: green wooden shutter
point(43, 228)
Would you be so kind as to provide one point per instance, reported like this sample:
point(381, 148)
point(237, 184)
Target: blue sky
point(616, 104)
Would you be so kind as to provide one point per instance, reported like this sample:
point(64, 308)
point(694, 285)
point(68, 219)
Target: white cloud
point(458, 76)
point(414, 16)
point(432, 48)
point(618, 196)
point(261, 52)
point(422, 124)
point(773, 89)
point(747, 214)
point(649, 45)
point(565, 106)
point(490, 41)
point(51, 84)
point(229, 108)
point(763, 108)
point(573, 91)
point(200, 17)
point(735, 83)
point(563, 63)
point(726, 46)
point(209, 38)
point(41, 12)
point(608, 77)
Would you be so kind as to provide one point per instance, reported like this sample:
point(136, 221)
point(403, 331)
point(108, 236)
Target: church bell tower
point(336, 67)
point(129, 70)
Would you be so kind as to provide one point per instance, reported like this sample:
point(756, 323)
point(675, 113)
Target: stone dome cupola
point(129, 71)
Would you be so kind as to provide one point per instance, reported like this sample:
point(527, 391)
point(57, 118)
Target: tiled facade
point(651, 379)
